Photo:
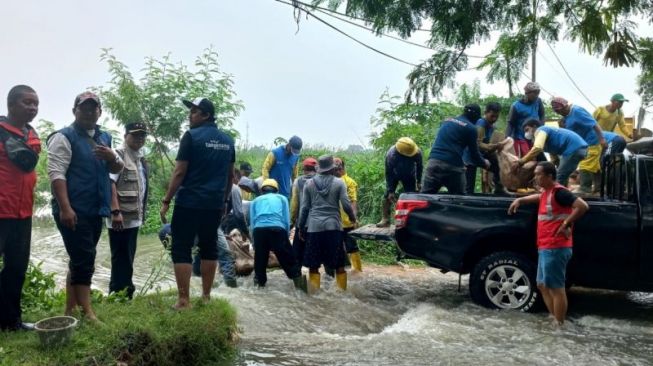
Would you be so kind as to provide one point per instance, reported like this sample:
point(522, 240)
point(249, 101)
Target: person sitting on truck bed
point(579, 120)
point(566, 144)
point(445, 166)
point(403, 163)
point(616, 143)
point(558, 210)
point(485, 128)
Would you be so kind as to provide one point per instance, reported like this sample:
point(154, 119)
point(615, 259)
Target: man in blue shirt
point(529, 106)
point(445, 166)
point(201, 184)
point(270, 218)
point(281, 165)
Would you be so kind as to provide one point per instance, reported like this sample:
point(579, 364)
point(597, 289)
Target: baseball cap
point(619, 98)
point(86, 96)
point(203, 104)
point(295, 145)
point(309, 162)
point(135, 127)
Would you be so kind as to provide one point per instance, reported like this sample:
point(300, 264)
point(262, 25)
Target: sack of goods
point(523, 178)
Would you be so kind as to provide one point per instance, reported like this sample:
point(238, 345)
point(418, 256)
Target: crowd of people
point(94, 185)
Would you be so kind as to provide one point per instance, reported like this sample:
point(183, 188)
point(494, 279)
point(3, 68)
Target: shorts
point(188, 223)
point(552, 267)
point(324, 248)
point(81, 245)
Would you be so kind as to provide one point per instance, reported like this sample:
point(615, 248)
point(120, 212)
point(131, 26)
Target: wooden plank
point(371, 232)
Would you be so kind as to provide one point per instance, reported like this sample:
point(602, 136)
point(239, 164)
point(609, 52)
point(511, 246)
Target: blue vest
point(87, 178)
point(212, 152)
point(581, 121)
point(560, 141)
point(524, 111)
point(283, 169)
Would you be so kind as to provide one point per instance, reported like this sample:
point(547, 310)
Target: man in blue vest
point(80, 159)
point(281, 165)
point(529, 106)
point(201, 184)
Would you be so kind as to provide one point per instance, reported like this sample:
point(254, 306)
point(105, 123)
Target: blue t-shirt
point(519, 112)
point(209, 153)
point(560, 141)
point(489, 130)
point(610, 136)
point(581, 121)
point(454, 136)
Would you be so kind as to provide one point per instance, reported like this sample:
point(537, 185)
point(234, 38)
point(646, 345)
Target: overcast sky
point(316, 83)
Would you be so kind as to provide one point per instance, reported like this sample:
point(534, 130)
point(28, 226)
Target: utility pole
point(534, 47)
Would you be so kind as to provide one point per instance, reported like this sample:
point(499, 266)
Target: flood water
point(401, 316)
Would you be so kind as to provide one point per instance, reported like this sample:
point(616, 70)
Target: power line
point(347, 35)
point(569, 76)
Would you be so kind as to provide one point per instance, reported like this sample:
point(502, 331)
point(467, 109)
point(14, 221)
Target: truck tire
point(505, 280)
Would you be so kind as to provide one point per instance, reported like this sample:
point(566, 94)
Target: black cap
point(135, 127)
point(203, 104)
point(473, 112)
point(246, 167)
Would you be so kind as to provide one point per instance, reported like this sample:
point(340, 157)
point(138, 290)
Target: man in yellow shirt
point(610, 116)
point(352, 193)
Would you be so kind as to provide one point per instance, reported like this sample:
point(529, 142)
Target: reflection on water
point(393, 316)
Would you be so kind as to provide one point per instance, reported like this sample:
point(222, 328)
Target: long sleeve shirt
point(454, 136)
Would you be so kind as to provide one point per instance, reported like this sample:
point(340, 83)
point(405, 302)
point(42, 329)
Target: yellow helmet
point(406, 146)
point(270, 183)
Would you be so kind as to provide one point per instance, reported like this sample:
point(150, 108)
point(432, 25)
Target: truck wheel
point(505, 280)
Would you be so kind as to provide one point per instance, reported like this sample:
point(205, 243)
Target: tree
point(598, 26)
point(645, 79)
point(506, 61)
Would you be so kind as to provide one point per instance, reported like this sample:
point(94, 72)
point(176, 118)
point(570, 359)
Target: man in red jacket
point(16, 201)
point(558, 210)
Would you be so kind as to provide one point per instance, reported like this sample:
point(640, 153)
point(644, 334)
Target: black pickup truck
point(613, 242)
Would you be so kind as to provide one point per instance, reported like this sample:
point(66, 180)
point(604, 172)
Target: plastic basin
point(55, 331)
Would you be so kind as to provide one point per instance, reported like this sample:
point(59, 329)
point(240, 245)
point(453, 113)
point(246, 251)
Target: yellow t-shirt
point(352, 194)
point(609, 121)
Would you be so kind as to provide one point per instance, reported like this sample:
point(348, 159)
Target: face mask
point(528, 135)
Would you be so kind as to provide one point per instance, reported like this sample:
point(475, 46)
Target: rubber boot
point(355, 259)
point(585, 182)
point(341, 280)
point(385, 211)
point(596, 180)
point(314, 279)
point(300, 283)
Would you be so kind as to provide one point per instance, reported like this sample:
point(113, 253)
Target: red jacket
point(550, 217)
point(17, 187)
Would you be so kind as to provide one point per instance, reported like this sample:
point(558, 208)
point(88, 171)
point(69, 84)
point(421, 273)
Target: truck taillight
point(404, 207)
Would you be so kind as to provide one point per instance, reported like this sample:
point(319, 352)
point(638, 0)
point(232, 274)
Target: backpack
point(19, 153)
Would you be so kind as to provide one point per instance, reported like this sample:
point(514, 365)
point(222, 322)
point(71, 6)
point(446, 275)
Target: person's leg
point(559, 300)
point(432, 182)
point(299, 245)
point(386, 204)
point(15, 239)
point(351, 247)
point(184, 229)
point(588, 167)
point(207, 235)
point(88, 231)
point(455, 181)
point(123, 248)
point(568, 165)
point(226, 260)
point(544, 291)
point(313, 260)
point(261, 255)
point(470, 179)
point(280, 245)
point(333, 252)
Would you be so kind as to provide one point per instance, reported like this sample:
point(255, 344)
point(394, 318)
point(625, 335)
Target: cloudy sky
point(314, 83)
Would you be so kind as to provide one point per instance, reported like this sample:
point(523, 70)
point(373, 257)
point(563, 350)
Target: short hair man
point(577, 119)
point(80, 160)
point(320, 213)
point(403, 163)
point(309, 167)
point(445, 166)
point(559, 142)
point(17, 196)
point(610, 116)
point(530, 106)
point(557, 212)
point(485, 129)
point(201, 184)
point(129, 190)
point(281, 165)
point(270, 218)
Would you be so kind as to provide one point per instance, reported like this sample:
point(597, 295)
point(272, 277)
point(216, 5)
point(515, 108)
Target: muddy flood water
point(396, 315)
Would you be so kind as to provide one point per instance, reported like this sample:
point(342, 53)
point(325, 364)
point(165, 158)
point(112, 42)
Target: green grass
point(144, 331)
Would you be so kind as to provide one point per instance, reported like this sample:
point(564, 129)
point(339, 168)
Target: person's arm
point(305, 207)
point(578, 209)
point(116, 220)
point(472, 145)
point(285, 213)
point(295, 172)
point(237, 203)
point(511, 121)
point(178, 175)
point(59, 156)
point(480, 131)
point(345, 203)
point(538, 147)
point(252, 217)
point(599, 134)
point(294, 204)
point(621, 122)
point(114, 161)
point(534, 198)
point(267, 165)
point(541, 112)
point(229, 183)
point(352, 194)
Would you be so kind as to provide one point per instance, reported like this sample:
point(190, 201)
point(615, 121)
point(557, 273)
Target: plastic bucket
point(55, 331)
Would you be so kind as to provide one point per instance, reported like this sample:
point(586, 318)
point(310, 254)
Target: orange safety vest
point(550, 217)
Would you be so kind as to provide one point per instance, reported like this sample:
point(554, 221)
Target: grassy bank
point(145, 331)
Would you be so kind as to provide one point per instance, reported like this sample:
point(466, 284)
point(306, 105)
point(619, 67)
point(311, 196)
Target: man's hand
point(68, 218)
point(514, 206)
point(105, 153)
point(116, 222)
point(165, 206)
point(603, 143)
point(564, 230)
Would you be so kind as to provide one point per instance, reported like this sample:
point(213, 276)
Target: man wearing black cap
point(80, 159)
point(201, 184)
point(445, 166)
point(281, 165)
point(128, 201)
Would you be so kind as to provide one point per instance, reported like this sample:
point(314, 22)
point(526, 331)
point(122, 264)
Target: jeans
point(123, 250)
point(439, 174)
point(15, 240)
point(225, 258)
point(273, 239)
point(568, 164)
